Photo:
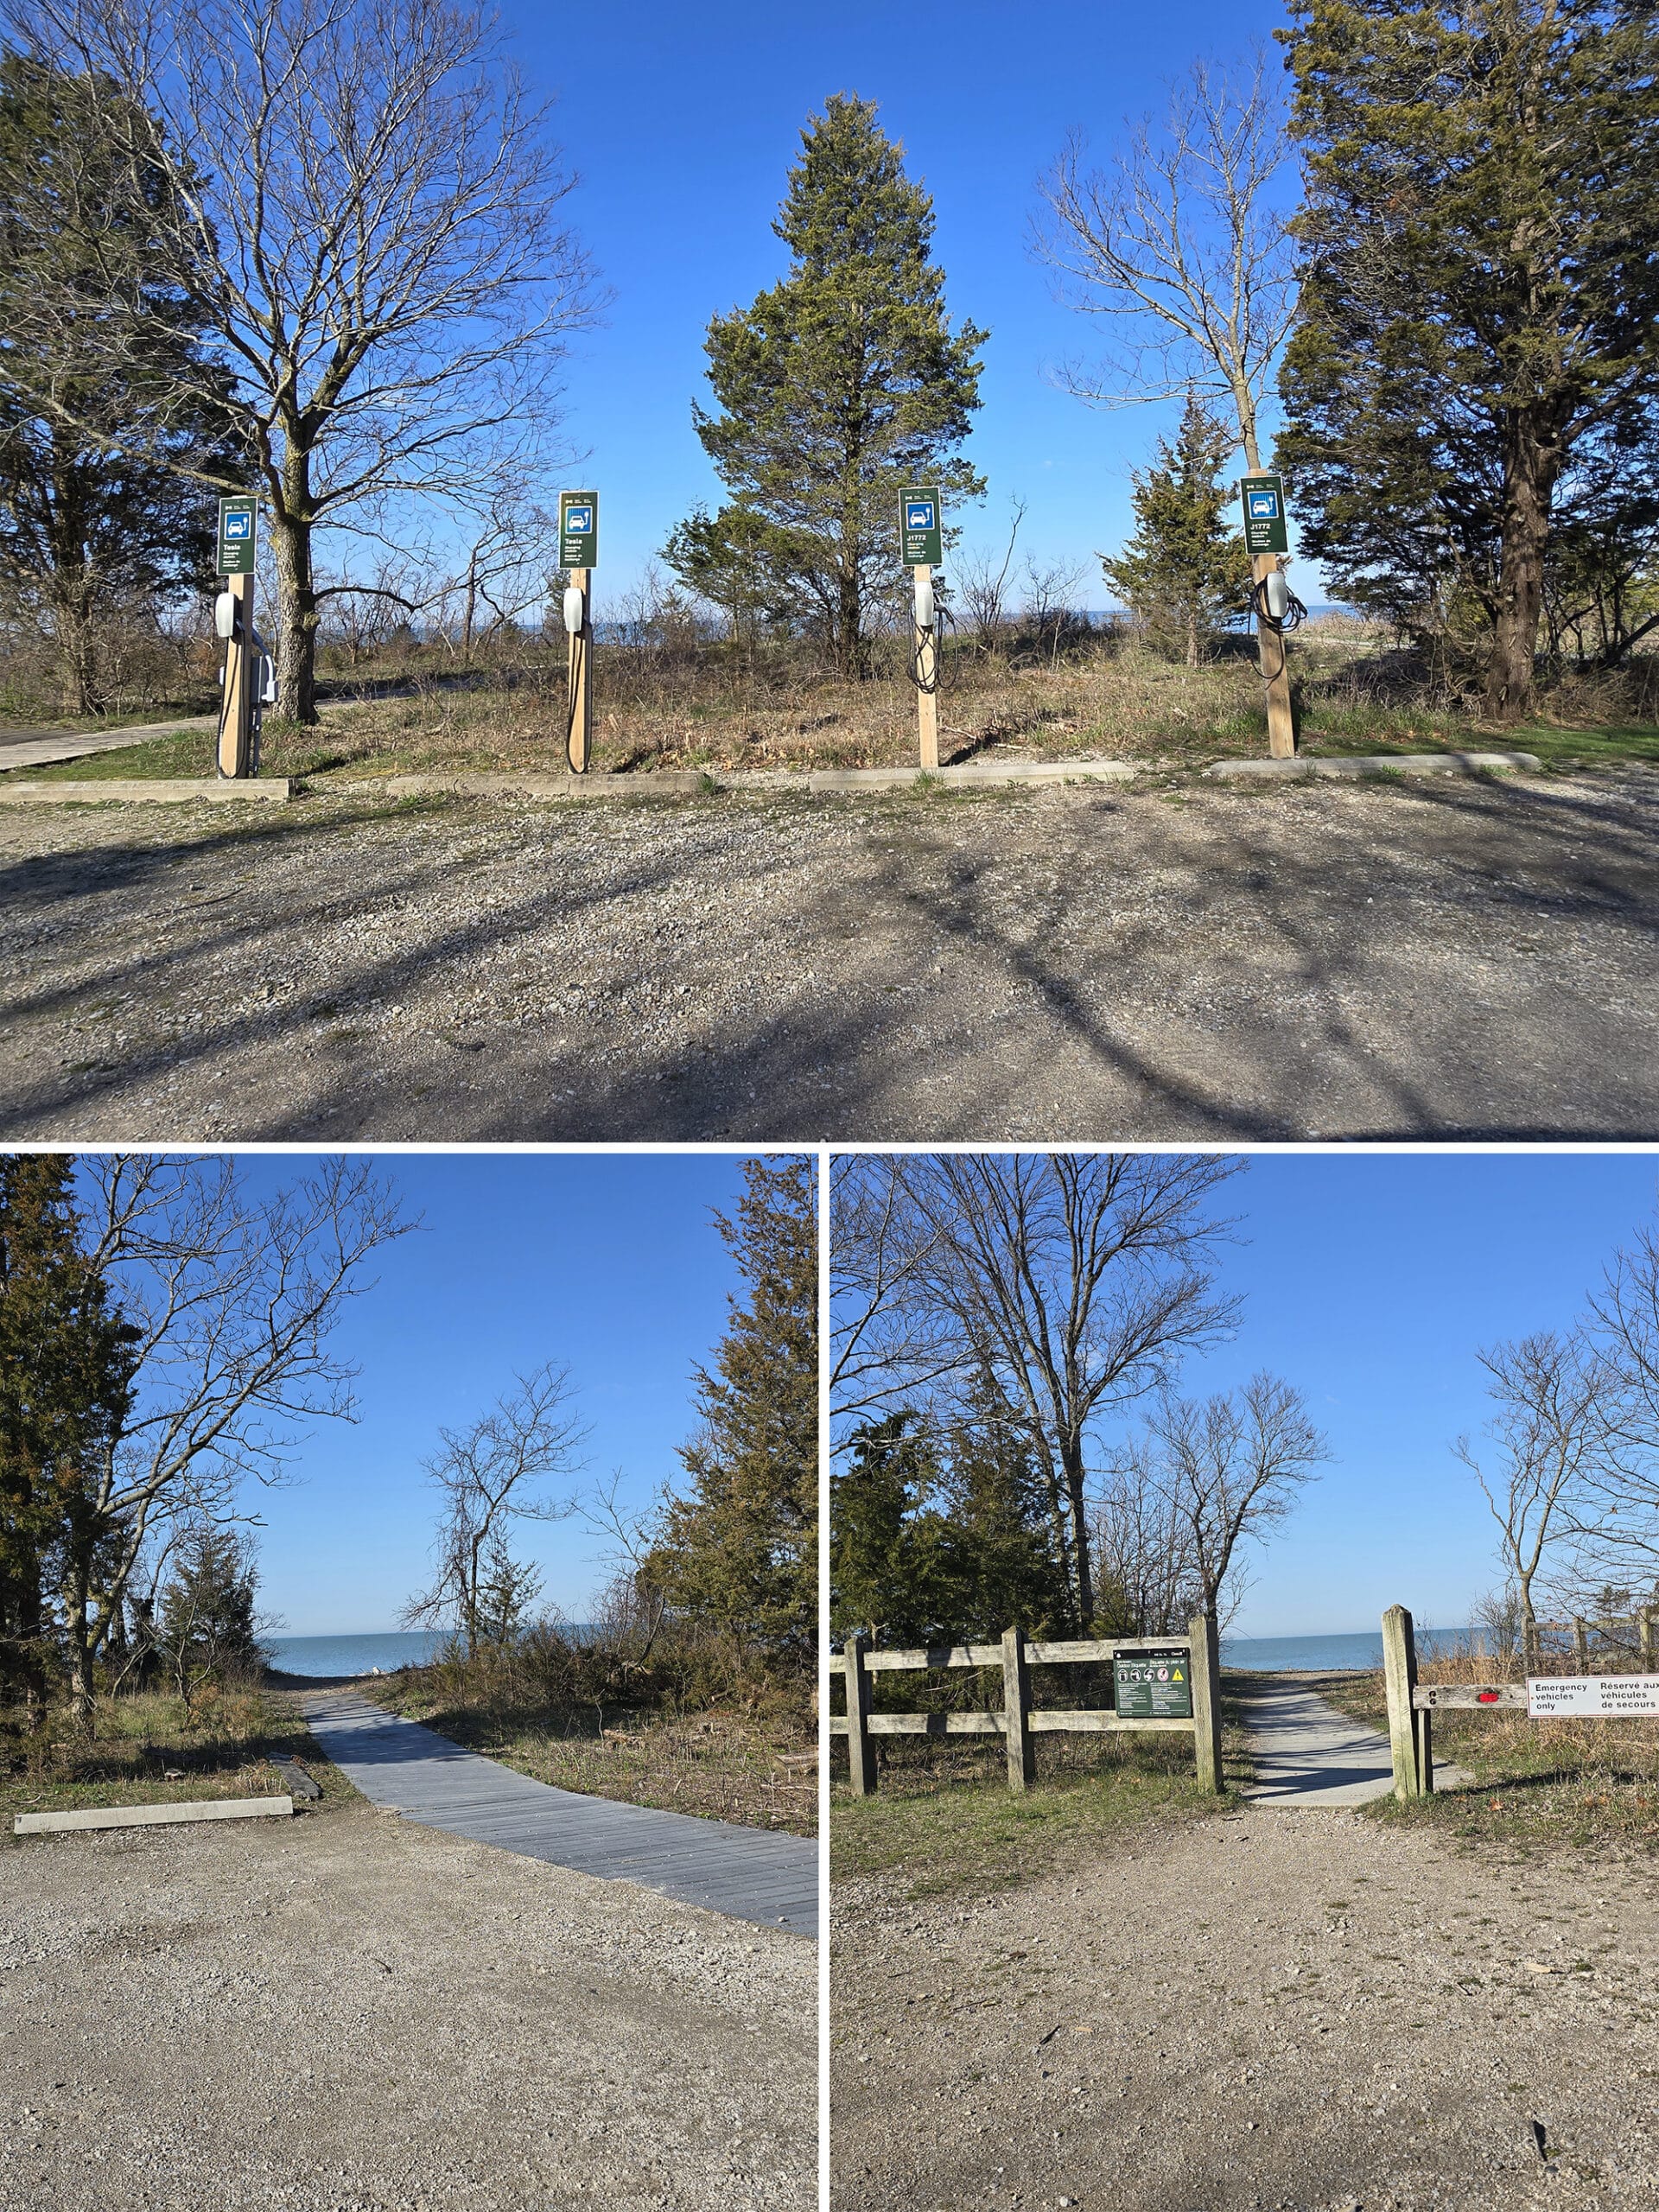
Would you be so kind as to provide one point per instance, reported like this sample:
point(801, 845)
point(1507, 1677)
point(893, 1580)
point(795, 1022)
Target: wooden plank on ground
point(151, 1816)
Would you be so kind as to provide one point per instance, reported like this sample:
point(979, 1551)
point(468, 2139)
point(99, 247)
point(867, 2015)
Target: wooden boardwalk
point(746, 1873)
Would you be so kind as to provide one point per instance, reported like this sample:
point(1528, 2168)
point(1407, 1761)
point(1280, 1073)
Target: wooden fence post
point(1414, 1771)
point(1581, 1644)
point(1207, 1702)
point(1649, 1631)
point(861, 1752)
point(1016, 1710)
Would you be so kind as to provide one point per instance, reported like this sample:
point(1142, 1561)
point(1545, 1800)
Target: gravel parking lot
point(1295, 2010)
point(1438, 958)
point(345, 2012)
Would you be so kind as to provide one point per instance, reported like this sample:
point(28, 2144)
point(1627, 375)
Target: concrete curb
point(674, 783)
point(168, 791)
point(1014, 772)
point(1381, 764)
point(152, 1817)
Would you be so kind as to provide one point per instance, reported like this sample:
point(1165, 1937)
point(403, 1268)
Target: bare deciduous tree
point(1225, 1470)
point(1075, 1281)
point(1184, 246)
point(982, 584)
point(1548, 1392)
point(234, 1300)
point(486, 1476)
point(364, 208)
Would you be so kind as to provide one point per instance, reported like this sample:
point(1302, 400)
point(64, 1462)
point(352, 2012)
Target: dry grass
point(1537, 1784)
point(753, 1765)
point(149, 1750)
point(685, 709)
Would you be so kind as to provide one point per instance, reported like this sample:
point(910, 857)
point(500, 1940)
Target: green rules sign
point(578, 530)
point(237, 525)
point(921, 525)
point(1152, 1685)
point(1264, 514)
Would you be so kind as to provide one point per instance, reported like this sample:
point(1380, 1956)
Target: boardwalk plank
point(746, 1873)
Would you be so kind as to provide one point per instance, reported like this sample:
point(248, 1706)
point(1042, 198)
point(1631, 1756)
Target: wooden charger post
point(579, 555)
point(238, 532)
point(1266, 538)
point(921, 531)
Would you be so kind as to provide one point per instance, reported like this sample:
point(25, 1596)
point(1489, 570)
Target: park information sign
point(578, 530)
point(921, 525)
point(1264, 514)
point(1592, 1697)
point(1152, 1685)
point(237, 526)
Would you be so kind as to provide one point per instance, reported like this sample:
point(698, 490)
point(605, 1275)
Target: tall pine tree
point(740, 1548)
point(1480, 299)
point(65, 1388)
point(844, 381)
point(97, 523)
point(1185, 573)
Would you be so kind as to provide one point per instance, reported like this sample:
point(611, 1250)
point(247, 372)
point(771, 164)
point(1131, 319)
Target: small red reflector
point(1485, 1697)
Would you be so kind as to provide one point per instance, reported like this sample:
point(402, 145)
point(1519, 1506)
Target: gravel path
point(1304, 1752)
point(1299, 2010)
point(746, 1873)
point(348, 2012)
point(1312, 960)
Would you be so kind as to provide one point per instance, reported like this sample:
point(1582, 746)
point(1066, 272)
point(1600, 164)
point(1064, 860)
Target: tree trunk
point(297, 614)
point(1530, 471)
point(1077, 1515)
point(76, 1599)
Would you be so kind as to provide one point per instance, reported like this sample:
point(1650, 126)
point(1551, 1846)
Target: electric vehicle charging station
point(248, 677)
point(579, 555)
point(921, 532)
point(1267, 540)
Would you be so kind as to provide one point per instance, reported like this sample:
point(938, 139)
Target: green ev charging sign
point(1264, 514)
point(578, 530)
point(1152, 1685)
point(921, 525)
point(237, 524)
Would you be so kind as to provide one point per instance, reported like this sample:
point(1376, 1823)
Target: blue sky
point(682, 123)
point(610, 1265)
point(1372, 1282)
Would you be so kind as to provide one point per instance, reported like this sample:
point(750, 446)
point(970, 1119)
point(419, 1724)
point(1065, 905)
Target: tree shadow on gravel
point(837, 1065)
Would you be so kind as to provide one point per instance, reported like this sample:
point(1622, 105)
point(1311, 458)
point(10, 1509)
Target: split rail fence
point(1017, 1720)
point(1412, 1704)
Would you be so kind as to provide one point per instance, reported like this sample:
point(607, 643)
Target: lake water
point(352, 1655)
point(1271, 1654)
point(1279, 1655)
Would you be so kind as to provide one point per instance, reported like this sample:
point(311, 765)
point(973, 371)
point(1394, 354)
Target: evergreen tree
point(207, 1630)
point(843, 381)
point(96, 521)
point(1007, 1565)
point(740, 1549)
point(65, 1387)
point(891, 1574)
point(1185, 572)
point(1480, 301)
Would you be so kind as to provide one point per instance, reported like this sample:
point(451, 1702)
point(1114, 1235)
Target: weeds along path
point(1287, 2008)
point(1067, 966)
point(746, 1873)
point(351, 2012)
point(1304, 1752)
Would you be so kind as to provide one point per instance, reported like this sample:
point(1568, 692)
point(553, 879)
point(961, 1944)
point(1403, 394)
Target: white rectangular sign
point(1592, 1697)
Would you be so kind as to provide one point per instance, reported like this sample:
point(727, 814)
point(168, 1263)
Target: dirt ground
point(1434, 958)
point(348, 2012)
point(1304, 2010)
